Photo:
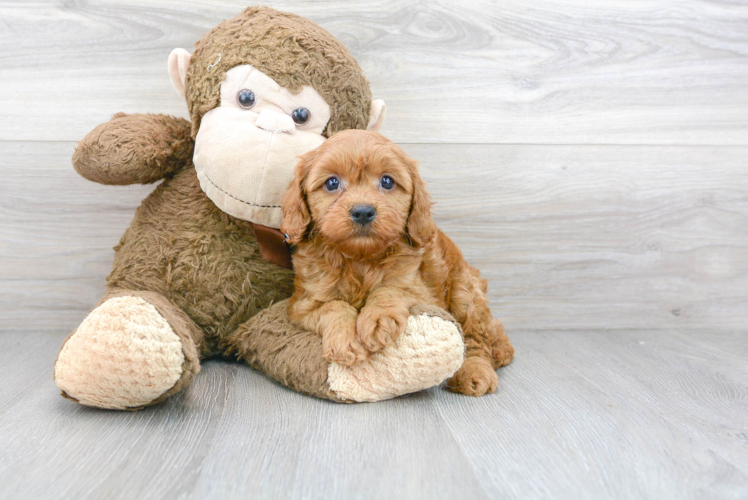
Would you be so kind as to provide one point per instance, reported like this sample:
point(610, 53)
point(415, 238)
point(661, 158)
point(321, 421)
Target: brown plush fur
point(272, 344)
point(179, 244)
point(201, 259)
point(132, 149)
point(356, 283)
point(291, 50)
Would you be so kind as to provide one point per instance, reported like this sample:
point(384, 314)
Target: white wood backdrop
point(591, 157)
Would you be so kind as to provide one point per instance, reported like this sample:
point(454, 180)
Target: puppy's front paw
point(340, 345)
point(377, 327)
point(476, 377)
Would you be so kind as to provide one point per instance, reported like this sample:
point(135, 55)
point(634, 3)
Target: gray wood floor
point(625, 414)
point(590, 157)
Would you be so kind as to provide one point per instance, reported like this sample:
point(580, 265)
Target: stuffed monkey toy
point(203, 271)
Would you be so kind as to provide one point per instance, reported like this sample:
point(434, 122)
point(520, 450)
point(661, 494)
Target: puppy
point(368, 251)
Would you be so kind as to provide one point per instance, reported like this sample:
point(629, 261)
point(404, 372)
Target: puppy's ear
point(296, 217)
point(421, 227)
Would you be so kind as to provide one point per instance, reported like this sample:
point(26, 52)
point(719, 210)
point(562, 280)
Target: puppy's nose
point(363, 214)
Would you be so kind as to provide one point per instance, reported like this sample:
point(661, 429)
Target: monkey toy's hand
point(134, 149)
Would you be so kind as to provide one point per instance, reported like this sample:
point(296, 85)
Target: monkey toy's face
point(247, 147)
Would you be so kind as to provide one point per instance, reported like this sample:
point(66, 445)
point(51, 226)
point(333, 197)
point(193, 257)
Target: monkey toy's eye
point(300, 116)
point(386, 182)
point(332, 184)
point(246, 98)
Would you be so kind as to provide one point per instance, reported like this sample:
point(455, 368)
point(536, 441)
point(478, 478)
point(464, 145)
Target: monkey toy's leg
point(428, 352)
point(133, 350)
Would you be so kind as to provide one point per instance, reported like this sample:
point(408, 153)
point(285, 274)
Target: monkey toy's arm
point(134, 149)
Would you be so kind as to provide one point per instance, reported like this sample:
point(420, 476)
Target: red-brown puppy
point(368, 250)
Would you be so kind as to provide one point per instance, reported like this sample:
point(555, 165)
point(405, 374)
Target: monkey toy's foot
point(125, 355)
point(429, 351)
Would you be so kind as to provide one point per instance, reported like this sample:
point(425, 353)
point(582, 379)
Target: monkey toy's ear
point(296, 216)
point(179, 63)
point(376, 115)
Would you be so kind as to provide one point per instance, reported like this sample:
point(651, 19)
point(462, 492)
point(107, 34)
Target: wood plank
point(603, 237)
point(64, 450)
point(293, 446)
point(638, 414)
point(656, 72)
point(599, 237)
point(598, 415)
point(232, 434)
point(58, 231)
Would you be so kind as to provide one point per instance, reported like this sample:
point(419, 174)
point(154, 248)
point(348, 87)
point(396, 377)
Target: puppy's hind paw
point(503, 352)
point(476, 377)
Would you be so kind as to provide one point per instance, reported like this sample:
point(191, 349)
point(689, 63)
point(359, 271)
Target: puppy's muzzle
point(363, 214)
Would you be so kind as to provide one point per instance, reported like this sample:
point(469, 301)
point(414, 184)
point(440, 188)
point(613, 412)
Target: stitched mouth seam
point(237, 199)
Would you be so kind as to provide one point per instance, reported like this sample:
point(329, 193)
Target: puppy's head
point(360, 192)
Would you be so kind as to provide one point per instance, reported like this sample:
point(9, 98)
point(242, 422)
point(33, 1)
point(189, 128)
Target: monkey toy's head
point(262, 89)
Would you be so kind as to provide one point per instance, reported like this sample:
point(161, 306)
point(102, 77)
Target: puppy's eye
point(332, 184)
point(246, 98)
point(301, 116)
point(386, 182)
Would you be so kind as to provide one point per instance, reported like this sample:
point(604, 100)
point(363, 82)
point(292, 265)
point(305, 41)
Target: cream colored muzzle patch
point(245, 153)
point(244, 169)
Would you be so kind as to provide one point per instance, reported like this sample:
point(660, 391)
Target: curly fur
point(355, 284)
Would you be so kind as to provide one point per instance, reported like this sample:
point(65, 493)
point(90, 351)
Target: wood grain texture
point(638, 414)
point(600, 236)
point(635, 414)
point(580, 72)
point(569, 237)
point(591, 158)
point(57, 231)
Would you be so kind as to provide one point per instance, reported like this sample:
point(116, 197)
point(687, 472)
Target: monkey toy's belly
point(204, 261)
